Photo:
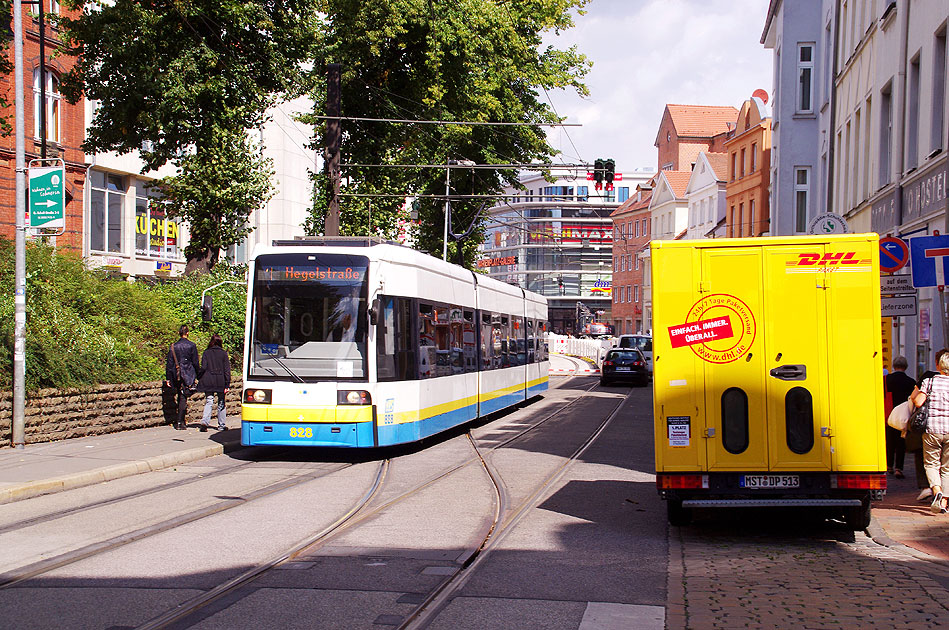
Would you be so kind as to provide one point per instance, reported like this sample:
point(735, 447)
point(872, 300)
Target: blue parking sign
point(930, 260)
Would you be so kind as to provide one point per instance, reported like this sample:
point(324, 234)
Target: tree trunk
point(201, 264)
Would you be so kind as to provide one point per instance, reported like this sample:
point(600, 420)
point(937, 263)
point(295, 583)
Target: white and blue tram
point(357, 343)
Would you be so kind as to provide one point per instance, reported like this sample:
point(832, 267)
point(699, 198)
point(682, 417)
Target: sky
point(647, 53)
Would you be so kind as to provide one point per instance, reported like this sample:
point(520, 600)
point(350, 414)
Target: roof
point(719, 164)
point(703, 121)
point(632, 204)
point(678, 181)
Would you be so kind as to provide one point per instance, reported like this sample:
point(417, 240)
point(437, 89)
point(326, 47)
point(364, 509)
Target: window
point(155, 235)
point(622, 194)
point(734, 165)
point(751, 218)
point(627, 292)
point(741, 219)
point(805, 78)
point(636, 227)
point(937, 130)
point(886, 133)
point(395, 352)
point(742, 163)
point(105, 212)
point(912, 116)
point(637, 263)
point(754, 157)
point(635, 293)
point(734, 420)
point(799, 420)
point(801, 198)
point(53, 107)
point(583, 193)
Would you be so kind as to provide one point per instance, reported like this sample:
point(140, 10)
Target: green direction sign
point(47, 208)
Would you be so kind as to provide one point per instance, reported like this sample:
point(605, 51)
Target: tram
point(352, 342)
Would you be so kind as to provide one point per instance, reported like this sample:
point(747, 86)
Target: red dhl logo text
point(829, 259)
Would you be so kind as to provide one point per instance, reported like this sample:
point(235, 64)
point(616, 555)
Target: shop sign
point(497, 262)
point(883, 217)
point(925, 194)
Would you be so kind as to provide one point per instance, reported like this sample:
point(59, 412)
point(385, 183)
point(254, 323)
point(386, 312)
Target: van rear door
point(795, 334)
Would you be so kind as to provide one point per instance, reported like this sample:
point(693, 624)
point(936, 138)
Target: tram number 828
point(303, 432)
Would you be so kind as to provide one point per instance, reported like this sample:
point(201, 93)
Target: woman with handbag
point(215, 380)
point(932, 420)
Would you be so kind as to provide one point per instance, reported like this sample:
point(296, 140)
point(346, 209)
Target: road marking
point(608, 616)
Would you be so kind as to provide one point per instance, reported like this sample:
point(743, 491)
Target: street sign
point(898, 305)
point(894, 254)
point(902, 283)
point(930, 260)
point(828, 223)
point(47, 198)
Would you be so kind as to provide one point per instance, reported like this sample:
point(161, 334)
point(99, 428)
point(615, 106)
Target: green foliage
point(475, 60)
point(183, 82)
point(84, 328)
point(6, 68)
point(215, 192)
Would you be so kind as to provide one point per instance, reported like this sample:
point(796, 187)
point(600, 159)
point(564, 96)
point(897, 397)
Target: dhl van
point(768, 374)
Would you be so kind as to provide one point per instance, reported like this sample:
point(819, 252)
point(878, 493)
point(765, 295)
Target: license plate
point(770, 481)
point(623, 369)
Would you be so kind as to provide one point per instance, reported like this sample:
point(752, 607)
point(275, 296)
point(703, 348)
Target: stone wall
point(53, 414)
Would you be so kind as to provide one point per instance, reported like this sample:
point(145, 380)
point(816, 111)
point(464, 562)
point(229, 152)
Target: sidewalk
point(55, 466)
point(902, 522)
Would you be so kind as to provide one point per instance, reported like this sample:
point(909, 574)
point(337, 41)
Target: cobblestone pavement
point(746, 571)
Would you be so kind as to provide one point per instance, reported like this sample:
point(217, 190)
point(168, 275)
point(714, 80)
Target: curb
point(878, 535)
point(117, 471)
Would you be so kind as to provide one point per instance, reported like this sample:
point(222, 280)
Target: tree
point(6, 68)
point(179, 81)
point(460, 60)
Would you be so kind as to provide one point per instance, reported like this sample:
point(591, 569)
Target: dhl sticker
point(831, 261)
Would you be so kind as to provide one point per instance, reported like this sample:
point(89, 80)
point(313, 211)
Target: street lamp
point(447, 204)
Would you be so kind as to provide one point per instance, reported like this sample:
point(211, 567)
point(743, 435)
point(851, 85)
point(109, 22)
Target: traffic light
point(598, 167)
point(610, 166)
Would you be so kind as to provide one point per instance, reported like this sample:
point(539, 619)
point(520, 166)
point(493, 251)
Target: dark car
point(624, 364)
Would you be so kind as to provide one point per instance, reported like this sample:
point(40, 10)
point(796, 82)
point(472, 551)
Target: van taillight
point(859, 482)
point(681, 482)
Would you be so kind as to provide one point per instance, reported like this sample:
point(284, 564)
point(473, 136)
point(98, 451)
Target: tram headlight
point(353, 397)
point(260, 396)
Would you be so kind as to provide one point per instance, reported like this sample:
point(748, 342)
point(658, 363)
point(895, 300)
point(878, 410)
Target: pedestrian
point(936, 437)
point(900, 387)
point(215, 381)
point(914, 441)
point(181, 367)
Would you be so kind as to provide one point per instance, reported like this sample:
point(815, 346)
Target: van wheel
point(678, 515)
point(858, 517)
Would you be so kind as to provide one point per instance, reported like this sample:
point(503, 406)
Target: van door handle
point(790, 372)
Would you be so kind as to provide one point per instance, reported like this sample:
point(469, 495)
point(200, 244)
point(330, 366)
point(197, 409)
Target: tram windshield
point(308, 317)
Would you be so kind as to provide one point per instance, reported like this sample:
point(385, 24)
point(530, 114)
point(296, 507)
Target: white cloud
point(647, 53)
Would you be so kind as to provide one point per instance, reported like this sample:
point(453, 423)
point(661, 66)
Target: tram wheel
point(678, 515)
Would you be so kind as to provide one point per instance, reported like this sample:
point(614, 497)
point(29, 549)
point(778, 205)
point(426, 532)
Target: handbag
point(899, 416)
point(919, 420)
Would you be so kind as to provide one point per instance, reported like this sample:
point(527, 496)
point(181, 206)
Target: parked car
point(626, 365)
point(643, 343)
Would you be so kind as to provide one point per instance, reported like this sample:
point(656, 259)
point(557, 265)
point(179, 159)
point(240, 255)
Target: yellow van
point(768, 374)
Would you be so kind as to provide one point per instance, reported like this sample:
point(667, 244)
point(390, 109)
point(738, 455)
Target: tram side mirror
point(206, 308)
point(374, 311)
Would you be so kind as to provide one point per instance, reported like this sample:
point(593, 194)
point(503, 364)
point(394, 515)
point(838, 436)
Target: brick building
point(685, 130)
point(630, 235)
point(749, 172)
point(65, 126)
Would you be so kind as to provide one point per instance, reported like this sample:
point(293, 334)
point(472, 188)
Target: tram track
point(36, 569)
point(362, 512)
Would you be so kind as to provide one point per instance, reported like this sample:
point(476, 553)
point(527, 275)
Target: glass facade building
point(556, 239)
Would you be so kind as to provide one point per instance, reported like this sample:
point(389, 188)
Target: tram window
point(499, 357)
point(531, 341)
point(426, 341)
point(516, 341)
point(396, 355)
point(487, 341)
point(734, 420)
point(799, 420)
point(542, 340)
point(468, 338)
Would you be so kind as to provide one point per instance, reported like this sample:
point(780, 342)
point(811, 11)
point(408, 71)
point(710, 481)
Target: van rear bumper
point(815, 489)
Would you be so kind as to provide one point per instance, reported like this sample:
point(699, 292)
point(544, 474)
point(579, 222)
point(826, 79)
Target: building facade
point(749, 177)
point(801, 36)
point(705, 194)
point(631, 236)
point(556, 239)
